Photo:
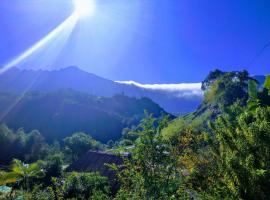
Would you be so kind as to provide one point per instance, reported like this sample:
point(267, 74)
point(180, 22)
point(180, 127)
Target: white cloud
point(179, 89)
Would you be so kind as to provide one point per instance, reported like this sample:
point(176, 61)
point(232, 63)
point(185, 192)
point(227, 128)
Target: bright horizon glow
point(84, 8)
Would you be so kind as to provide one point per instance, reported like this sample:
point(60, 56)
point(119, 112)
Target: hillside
point(221, 90)
point(61, 113)
point(18, 81)
point(196, 156)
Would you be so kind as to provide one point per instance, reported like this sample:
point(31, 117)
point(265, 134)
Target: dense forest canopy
point(220, 151)
point(59, 114)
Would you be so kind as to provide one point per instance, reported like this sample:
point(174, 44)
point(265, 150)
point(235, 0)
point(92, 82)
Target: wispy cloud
point(180, 89)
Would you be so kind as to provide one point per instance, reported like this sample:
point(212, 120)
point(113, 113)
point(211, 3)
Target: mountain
point(222, 92)
point(59, 114)
point(18, 81)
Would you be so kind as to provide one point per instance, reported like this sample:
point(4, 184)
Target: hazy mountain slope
point(19, 81)
point(61, 113)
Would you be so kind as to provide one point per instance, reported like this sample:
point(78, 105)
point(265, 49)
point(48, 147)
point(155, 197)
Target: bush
point(85, 185)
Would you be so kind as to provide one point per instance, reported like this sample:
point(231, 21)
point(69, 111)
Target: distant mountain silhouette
point(59, 114)
point(18, 81)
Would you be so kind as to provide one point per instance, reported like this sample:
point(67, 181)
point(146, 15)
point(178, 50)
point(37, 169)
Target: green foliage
point(41, 194)
point(67, 111)
point(77, 186)
point(85, 185)
point(24, 146)
point(259, 97)
point(80, 143)
point(229, 160)
point(126, 142)
point(174, 128)
point(253, 89)
point(21, 173)
point(211, 78)
point(267, 84)
point(53, 167)
point(188, 158)
point(130, 133)
point(244, 151)
point(151, 173)
point(221, 90)
point(110, 143)
point(227, 88)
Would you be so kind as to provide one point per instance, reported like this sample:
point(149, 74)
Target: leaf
point(252, 89)
point(8, 177)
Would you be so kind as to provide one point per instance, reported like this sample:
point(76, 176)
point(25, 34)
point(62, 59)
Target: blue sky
point(147, 41)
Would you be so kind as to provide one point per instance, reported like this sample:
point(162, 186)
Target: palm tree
point(21, 173)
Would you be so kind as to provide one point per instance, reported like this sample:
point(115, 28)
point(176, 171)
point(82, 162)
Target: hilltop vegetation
point(59, 114)
point(221, 151)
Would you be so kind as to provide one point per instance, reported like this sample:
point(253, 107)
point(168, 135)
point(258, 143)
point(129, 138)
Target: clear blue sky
point(148, 41)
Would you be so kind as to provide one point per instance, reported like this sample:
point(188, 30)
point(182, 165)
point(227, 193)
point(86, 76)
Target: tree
point(244, 150)
point(53, 166)
point(130, 134)
point(79, 143)
point(258, 96)
point(85, 185)
point(28, 147)
point(152, 172)
point(253, 89)
point(110, 143)
point(267, 84)
point(22, 173)
point(211, 78)
point(226, 88)
point(34, 146)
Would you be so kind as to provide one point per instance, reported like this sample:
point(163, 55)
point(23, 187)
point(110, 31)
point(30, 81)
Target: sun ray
point(60, 33)
point(68, 23)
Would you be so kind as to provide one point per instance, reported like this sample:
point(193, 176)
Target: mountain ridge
point(60, 113)
point(18, 81)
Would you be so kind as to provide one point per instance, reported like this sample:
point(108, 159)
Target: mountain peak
point(71, 68)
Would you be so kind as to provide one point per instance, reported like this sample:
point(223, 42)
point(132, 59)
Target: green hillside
point(59, 114)
point(220, 151)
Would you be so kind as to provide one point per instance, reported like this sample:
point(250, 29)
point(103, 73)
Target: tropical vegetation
point(220, 151)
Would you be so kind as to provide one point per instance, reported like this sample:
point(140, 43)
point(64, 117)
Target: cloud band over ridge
point(179, 89)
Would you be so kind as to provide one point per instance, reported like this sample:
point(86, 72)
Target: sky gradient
point(147, 41)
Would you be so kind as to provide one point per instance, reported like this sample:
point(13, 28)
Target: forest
point(219, 151)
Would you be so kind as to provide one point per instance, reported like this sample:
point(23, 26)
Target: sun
point(84, 8)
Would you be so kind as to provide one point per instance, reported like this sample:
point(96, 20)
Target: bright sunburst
point(84, 8)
